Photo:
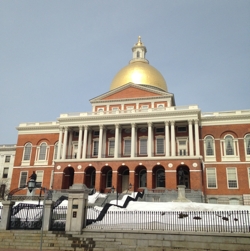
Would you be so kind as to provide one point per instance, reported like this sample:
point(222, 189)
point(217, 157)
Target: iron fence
point(26, 216)
point(58, 218)
point(195, 221)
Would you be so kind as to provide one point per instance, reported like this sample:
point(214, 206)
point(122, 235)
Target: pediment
point(131, 91)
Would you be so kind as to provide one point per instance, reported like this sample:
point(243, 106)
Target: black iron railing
point(195, 221)
point(58, 219)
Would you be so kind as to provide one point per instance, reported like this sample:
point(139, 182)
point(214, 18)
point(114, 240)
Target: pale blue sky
point(57, 55)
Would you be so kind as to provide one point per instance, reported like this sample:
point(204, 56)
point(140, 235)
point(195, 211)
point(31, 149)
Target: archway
point(183, 176)
point(140, 177)
point(123, 179)
point(89, 178)
point(106, 179)
point(159, 177)
point(68, 177)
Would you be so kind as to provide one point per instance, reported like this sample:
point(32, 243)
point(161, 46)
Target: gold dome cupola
point(139, 71)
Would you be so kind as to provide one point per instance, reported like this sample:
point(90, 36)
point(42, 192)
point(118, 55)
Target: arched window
point(138, 55)
point(143, 178)
point(42, 151)
point(229, 145)
point(92, 179)
point(247, 144)
point(209, 144)
point(109, 179)
point(234, 201)
point(160, 178)
point(27, 151)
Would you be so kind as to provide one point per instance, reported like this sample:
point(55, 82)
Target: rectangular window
point(181, 129)
point(144, 107)
point(111, 147)
point(96, 133)
point(7, 159)
point(160, 146)
point(129, 107)
point(39, 178)
point(211, 178)
point(5, 172)
point(95, 148)
point(143, 146)
point(160, 130)
point(23, 179)
point(182, 147)
point(232, 178)
point(127, 146)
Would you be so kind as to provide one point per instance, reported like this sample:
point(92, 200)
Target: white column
point(65, 138)
point(197, 145)
point(149, 139)
point(173, 150)
point(70, 136)
point(132, 140)
point(79, 143)
point(85, 136)
point(190, 136)
point(59, 144)
point(104, 139)
point(166, 138)
point(116, 140)
point(100, 141)
point(89, 144)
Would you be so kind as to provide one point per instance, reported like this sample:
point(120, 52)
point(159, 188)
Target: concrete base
point(181, 194)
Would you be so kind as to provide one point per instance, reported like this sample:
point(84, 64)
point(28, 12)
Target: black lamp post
point(31, 185)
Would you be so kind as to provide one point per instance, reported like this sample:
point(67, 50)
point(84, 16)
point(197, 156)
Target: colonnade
point(85, 140)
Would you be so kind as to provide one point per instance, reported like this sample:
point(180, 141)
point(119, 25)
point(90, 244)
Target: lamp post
point(31, 185)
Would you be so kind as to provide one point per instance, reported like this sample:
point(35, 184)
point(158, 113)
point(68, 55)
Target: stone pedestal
point(181, 194)
point(6, 214)
point(77, 208)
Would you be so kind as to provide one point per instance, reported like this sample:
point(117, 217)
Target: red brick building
point(135, 134)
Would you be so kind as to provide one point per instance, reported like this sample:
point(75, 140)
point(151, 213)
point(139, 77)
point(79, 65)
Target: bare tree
point(4, 188)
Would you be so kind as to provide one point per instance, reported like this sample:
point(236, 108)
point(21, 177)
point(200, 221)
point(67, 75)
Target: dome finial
point(139, 41)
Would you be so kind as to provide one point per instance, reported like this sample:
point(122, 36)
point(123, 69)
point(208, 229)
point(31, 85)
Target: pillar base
point(181, 194)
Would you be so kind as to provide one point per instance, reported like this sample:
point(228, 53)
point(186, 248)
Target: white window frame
point(44, 161)
point(246, 142)
point(95, 149)
point(157, 152)
point(20, 177)
point(115, 109)
point(211, 174)
point(160, 106)
point(182, 148)
point(209, 157)
point(39, 179)
point(233, 157)
point(26, 156)
point(111, 147)
point(230, 169)
point(127, 148)
point(7, 159)
point(100, 110)
point(129, 107)
point(144, 107)
point(5, 173)
point(143, 150)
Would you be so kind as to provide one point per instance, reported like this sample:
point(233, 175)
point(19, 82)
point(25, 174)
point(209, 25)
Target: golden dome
point(139, 71)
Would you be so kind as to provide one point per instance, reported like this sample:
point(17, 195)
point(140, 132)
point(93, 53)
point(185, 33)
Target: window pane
point(5, 172)
point(111, 147)
point(160, 146)
point(248, 144)
point(232, 178)
point(27, 152)
point(127, 146)
point(95, 150)
point(143, 146)
point(39, 178)
point(209, 146)
point(7, 159)
point(143, 178)
point(211, 178)
point(42, 152)
point(23, 179)
point(109, 179)
point(55, 151)
point(229, 145)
